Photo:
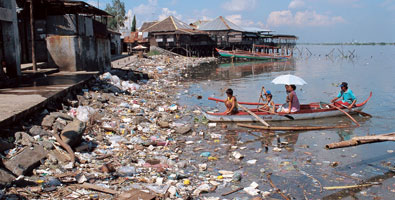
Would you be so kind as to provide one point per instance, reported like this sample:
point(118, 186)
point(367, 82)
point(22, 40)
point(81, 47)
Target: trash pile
point(116, 139)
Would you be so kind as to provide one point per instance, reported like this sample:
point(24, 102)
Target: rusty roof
point(56, 7)
point(220, 24)
point(146, 25)
point(172, 24)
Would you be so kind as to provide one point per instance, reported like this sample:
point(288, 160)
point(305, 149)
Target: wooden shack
point(228, 35)
point(68, 35)
point(176, 36)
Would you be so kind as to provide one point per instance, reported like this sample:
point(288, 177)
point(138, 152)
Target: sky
point(310, 20)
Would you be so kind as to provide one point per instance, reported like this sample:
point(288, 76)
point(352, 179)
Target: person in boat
point(292, 102)
point(230, 103)
point(346, 95)
point(269, 105)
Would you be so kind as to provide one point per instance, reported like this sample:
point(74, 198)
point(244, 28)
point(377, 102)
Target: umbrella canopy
point(289, 80)
point(139, 47)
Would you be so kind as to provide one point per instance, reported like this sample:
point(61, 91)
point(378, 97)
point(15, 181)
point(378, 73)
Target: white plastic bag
point(84, 113)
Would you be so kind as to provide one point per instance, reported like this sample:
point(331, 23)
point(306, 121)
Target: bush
point(153, 53)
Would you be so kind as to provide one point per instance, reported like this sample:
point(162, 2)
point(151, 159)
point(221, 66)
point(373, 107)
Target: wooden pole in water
point(254, 115)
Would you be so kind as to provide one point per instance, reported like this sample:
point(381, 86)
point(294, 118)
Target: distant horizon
point(316, 21)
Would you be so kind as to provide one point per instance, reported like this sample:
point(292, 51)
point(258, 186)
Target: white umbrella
point(289, 80)
point(139, 47)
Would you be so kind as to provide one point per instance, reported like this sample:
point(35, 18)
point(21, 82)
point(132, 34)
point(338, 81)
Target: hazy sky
point(310, 20)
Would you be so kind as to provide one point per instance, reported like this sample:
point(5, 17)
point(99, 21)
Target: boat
point(307, 111)
point(251, 55)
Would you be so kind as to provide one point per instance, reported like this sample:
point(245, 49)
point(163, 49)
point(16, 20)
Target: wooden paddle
point(348, 115)
point(359, 112)
point(260, 97)
point(254, 115)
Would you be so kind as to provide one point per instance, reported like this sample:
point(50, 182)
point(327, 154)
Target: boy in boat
point(230, 103)
point(292, 104)
point(347, 97)
point(269, 105)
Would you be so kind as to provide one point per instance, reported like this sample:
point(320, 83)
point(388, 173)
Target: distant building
point(228, 35)
point(176, 36)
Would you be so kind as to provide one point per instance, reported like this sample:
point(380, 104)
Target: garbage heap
point(116, 139)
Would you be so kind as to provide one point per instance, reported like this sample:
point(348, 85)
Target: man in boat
point(269, 105)
point(292, 104)
point(347, 97)
point(230, 103)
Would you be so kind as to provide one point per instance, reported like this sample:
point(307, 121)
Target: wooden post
point(32, 36)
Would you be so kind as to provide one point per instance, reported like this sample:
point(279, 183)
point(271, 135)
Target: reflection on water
point(371, 70)
point(227, 71)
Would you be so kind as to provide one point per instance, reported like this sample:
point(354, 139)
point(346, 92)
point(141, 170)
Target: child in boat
point(230, 103)
point(292, 104)
point(269, 105)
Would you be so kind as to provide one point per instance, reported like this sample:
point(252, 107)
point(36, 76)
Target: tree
point(134, 24)
point(117, 10)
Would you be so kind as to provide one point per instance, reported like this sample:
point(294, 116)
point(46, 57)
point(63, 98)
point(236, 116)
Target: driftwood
point(350, 186)
point(254, 115)
point(65, 146)
point(291, 128)
point(276, 188)
point(233, 191)
point(362, 140)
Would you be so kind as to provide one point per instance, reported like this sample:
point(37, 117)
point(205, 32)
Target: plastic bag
point(84, 113)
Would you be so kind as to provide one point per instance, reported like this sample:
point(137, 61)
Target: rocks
point(72, 133)
point(6, 177)
point(24, 139)
point(37, 130)
point(183, 129)
point(24, 162)
point(61, 115)
point(4, 145)
point(163, 124)
point(48, 121)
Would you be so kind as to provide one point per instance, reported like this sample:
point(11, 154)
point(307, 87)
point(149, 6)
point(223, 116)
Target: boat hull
point(308, 111)
point(230, 54)
point(245, 117)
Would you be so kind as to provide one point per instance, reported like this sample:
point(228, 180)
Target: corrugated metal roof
point(219, 24)
point(179, 24)
point(169, 24)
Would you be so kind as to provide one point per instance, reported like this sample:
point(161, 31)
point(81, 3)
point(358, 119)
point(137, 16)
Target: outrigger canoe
point(307, 111)
point(249, 55)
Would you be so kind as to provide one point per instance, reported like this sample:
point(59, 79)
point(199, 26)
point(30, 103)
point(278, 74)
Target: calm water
point(373, 69)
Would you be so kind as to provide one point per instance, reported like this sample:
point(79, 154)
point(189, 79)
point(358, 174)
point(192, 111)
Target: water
point(373, 69)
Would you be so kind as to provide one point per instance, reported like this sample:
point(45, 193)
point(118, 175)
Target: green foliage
point(117, 10)
point(134, 24)
point(153, 53)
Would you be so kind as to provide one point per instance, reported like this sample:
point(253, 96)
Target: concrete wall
point(10, 37)
point(78, 53)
